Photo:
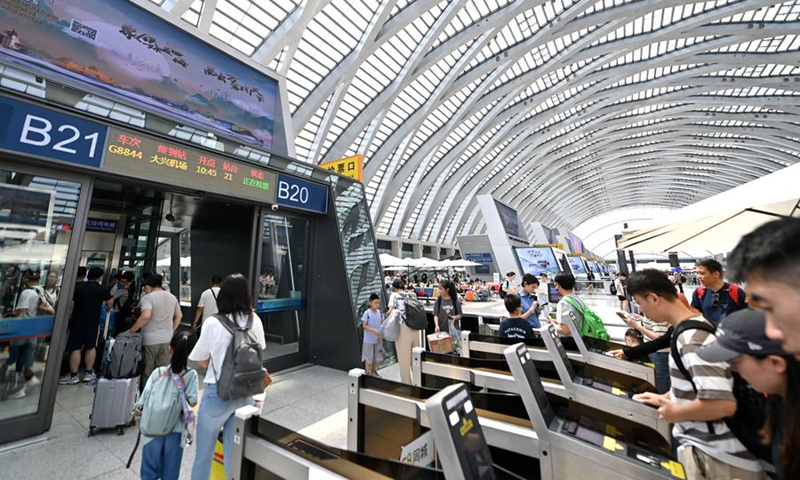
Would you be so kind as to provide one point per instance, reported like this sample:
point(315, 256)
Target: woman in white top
point(543, 295)
point(236, 303)
point(407, 338)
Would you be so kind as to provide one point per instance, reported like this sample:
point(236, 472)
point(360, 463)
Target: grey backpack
point(126, 356)
point(242, 373)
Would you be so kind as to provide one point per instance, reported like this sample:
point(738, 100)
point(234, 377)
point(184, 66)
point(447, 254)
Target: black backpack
point(415, 316)
point(612, 289)
point(751, 406)
point(242, 373)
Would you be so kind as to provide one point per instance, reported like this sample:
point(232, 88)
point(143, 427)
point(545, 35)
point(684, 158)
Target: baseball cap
point(739, 333)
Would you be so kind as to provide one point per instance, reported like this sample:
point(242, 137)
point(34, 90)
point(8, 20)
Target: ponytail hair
point(182, 344)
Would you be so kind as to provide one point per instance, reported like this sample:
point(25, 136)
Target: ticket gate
point(633, 419)
point(577, 448)
point(384, 416)
point(590, 351)
point(460, 443)
point(264, 450)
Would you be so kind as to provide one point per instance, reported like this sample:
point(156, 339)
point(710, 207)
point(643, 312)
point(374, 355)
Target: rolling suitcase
point(114, 399)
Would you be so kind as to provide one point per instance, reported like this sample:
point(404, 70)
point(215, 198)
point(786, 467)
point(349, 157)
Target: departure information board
point(132, 154)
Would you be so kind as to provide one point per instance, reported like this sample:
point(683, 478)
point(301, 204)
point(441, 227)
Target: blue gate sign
point(296, 193)
point(478, 257)
point(26, 128)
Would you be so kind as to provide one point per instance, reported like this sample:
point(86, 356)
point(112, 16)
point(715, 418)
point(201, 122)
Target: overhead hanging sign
point(44, 132)
point(352, 167)
point(478, 257)
point(141, 156)
point(117, 49)
point(301, 194)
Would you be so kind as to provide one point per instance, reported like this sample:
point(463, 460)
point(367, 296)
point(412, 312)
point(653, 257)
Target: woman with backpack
point(235, 304)
point(447, 312)
point(407, 338)
point(165, 403)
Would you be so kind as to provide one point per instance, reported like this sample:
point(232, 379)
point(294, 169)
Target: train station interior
point(458, 239)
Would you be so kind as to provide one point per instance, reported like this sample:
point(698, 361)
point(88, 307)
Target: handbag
point(390, 327)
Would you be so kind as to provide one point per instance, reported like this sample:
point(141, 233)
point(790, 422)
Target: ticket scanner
point(593, 391)
point(577, 449)
point(460, 444)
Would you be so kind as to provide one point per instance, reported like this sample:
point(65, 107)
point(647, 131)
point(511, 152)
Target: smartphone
point(623, 315)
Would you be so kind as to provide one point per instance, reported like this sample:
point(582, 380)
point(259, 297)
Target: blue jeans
point(661, 363)
point(161, 458)
point(215, 414)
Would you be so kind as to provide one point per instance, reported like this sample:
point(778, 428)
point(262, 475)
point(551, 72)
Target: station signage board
point(141, 156)
point(34, 130)
point(352, 167)
point(301, 194)
point(478, 257)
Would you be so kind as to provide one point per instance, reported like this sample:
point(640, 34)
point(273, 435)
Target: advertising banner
point(576, 262)
point(117, 49)
point(538, 260)
point(419, 452)
point(352, 167)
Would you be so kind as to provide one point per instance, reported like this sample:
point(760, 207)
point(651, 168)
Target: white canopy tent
point(717, 223)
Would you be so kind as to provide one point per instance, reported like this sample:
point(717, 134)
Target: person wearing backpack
point(407, 338)
point(219, 348)
point(447, 313)
point(207, 305)
point(572, 306)
point(165, 403)
point(701, 395)
point(716, 298)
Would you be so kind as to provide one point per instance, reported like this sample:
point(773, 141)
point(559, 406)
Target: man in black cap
point(741, 333)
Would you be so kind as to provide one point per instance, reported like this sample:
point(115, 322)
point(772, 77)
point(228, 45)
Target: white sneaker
point(89, 376)
point(18, 388)
point(69, 379)
point(34, 381)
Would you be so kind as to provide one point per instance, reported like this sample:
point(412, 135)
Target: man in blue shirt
point(530, 304)
point(716, 299)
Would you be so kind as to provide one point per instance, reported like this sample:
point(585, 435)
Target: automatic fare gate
point(574, 449)
point(590, 351)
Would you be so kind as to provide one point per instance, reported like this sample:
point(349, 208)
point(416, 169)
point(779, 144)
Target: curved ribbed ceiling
point(563, 110)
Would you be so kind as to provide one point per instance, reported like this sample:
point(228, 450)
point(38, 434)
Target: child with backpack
point(167, 419)
point(571, 306)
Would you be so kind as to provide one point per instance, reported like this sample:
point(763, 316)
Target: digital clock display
point(145, 157)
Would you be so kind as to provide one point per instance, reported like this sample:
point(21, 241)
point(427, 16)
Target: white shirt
point(29, 299)
point(215, 340)
point(543, 293)
point(208, 302)
point(620, 288)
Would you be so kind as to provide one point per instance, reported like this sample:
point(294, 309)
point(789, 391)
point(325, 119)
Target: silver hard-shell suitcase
point(114, 399)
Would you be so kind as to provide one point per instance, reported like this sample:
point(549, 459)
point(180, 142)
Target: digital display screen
point(536, 385)
point(143, 156)
point(554, 296)
point(578, 268)
point(510, 219)
point(470, 444)
point(117, 49)
point(562, 352)
point(537, 260)
point(25, 207)
point(594, 266)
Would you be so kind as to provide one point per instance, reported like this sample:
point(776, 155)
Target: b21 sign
point(43, 132)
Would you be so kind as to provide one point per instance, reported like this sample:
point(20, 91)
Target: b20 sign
point(296, 193)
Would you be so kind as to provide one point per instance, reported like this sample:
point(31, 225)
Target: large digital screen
point(537, 260)
point(575, 243)
point(26, 209)
point(594, 266)
point(510, 219)
point(578, 268)
point(118, 49)
point(143, 156)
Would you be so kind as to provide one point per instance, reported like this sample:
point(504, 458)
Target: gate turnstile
point(435, 370)
point(573, 449)
point(591, 351)
point(504, 431)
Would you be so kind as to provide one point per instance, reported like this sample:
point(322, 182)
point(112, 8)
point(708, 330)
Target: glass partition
point(358, 243)
point(37, 217)
point(281, 284)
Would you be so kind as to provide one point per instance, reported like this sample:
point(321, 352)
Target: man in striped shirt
point(707, 448)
